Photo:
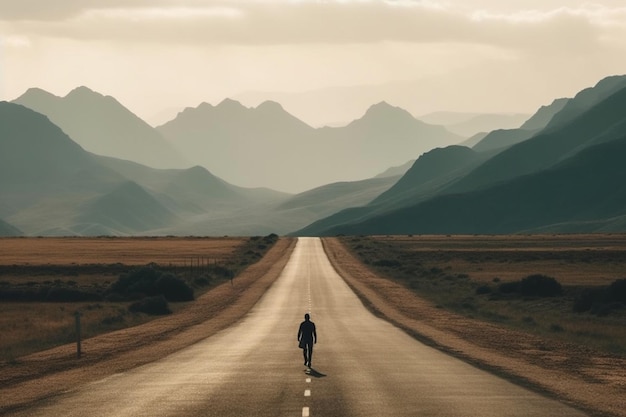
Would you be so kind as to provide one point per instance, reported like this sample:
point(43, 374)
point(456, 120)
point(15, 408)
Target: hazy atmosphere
point(324, 61)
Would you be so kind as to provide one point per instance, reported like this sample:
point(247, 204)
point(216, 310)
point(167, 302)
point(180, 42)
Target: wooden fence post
point(78, 352)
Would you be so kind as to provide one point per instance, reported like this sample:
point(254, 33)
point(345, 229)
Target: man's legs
point(308, 355)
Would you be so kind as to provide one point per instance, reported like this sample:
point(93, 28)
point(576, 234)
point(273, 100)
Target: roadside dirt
point(580, 377)
point(588, 380)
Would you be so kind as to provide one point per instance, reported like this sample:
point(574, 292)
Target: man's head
point(307, 316)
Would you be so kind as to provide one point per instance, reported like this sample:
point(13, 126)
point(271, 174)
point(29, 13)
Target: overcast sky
point(325, 60)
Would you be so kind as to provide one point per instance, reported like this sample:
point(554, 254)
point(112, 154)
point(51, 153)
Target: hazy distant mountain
point(328, 199)
point(521, 188)
point(389, 134)
point(503, 138)
point(603, 122)
point(246, 146)
point(127, 209)
point(441, 165)
point(266, 145)
point(8, 230)
point(429, 175)
point(586, 193)
point(49, 185)
point(36, 156)
point(473, 140)
point(469, 124)
point(396, 171)
point(44, 175)
point(102, 125)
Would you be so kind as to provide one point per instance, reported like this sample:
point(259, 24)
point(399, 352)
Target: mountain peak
point(230, 104)
point(385, 109)
point(35, 93)
point(270, 105)
point(202, 106)
point(82, 91)
point(385, 113)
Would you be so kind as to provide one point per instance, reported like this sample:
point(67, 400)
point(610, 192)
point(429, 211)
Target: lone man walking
point(307, 336)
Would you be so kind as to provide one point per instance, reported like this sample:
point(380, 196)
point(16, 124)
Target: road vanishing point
point(362, 366)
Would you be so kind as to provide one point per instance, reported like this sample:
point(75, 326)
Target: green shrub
point(509, 287)
point(149, 281)
point(155, 306)
point(173, 288)
point(604, 309)
point(556, 328)
point(222, 271)
point(617, 291)
point(70, 295)
point(387, 263)
point(603, 300)
point(586, 299)
point(483, 289)
point(540, 286)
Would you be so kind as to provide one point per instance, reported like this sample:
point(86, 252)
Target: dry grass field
point(90, 264)
point(587, 259)
point(111, 250)
point(465, 274)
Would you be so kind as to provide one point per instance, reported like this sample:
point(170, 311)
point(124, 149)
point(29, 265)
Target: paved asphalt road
point(362, 366)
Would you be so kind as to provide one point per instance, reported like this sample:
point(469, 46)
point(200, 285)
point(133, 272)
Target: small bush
point(387, 263)
point(483, 289)
point(556, 328)
point(202, 281)
point(604, 309)
point(540, 286)
point(70, 295)
point(222, 271)
point(603, 300)
point(149, 281)
point(586, 299)
point(509, 287)
point(173, 288)
point(155, 306)
point(617, 291)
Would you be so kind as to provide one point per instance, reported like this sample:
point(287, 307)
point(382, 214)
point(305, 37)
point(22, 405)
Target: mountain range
point(266, 145)
point(566, 177)
point(102, 125)
point(470, 124)
point(560, 171)
point(50, 185)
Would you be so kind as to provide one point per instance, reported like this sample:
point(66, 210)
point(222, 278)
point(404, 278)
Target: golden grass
point(27, 327)
point(447, 270)
point(583, 259)
point(30, 327)
point(108, 250)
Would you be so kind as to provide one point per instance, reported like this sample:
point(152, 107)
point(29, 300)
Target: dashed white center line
point(308, 380)
point(305, 411)
point(307, 392)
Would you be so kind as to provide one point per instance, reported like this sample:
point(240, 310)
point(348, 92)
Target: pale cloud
point(274, 22)
point(301, 22)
